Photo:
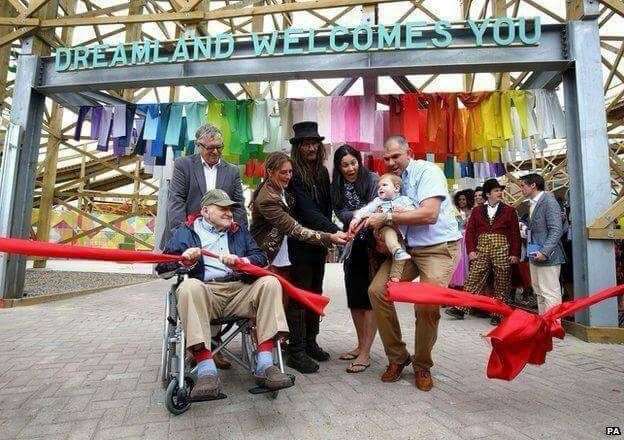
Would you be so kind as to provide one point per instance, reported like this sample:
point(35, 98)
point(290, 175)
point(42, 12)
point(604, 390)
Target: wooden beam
point(19, 7)
point(133, 32)
point(11, 37)
point(111, 167)
point(616, 5)
point(5, 55)
point(33, 7)
point(191, 16)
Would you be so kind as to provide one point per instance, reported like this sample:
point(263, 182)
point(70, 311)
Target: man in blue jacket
point(215, 290)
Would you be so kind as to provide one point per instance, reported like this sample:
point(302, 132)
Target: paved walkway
point(87, 368)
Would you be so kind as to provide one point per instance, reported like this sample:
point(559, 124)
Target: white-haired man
point(214, 290)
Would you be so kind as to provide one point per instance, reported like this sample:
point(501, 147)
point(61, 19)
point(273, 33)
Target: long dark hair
point(338, 179)
point(310, 173)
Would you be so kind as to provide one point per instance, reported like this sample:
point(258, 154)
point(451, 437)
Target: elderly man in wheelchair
point(214, 290)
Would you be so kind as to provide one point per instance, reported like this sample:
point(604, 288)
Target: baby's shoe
point(401, 255)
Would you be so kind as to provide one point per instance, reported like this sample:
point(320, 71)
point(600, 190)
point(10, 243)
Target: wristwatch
point(388, 219)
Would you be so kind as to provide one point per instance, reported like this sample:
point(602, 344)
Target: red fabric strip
point(312, 301)
point(521, 338)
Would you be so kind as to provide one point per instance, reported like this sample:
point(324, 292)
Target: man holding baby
point(431, 238)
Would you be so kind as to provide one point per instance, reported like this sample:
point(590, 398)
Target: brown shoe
point(207, 387)
point(274, 379)
point(393, 371)
point(424, 382)
point(221, 362)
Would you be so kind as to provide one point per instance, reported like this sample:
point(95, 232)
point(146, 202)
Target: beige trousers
point(545, 283)
point(199, 302)
point(435, 265)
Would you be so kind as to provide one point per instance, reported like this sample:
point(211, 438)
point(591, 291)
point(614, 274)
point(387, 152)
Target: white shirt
point(282, 259)
point(533, 202)
point(210, 173)
point(491, 210)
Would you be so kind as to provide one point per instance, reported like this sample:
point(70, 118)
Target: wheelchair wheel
point(176, 400)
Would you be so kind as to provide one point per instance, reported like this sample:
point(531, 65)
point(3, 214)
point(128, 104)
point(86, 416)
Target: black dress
point(356, 267)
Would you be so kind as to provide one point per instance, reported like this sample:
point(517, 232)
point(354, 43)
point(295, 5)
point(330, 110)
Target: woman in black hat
point(313, 209)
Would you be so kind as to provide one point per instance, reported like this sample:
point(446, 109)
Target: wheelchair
point(178, 375)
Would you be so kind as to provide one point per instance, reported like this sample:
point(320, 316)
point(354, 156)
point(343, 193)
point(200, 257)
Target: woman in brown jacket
point(272, 223)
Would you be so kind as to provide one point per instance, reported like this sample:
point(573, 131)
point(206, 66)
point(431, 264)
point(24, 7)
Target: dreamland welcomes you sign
point(502, 31)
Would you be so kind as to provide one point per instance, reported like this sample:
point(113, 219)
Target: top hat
point(305, 130)
point(491, 184)
point(217, 197)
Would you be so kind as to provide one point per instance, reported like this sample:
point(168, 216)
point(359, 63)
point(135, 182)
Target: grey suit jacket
point(188, 185)
point(546, 227)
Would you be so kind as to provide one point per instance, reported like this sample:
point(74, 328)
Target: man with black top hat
point(310, 187)
point(493, 243)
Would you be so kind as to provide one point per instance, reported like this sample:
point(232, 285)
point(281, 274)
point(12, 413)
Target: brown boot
point(423, 381)
point(393, 371)
point(221, 362)
point(207, 387)
point(274, 379)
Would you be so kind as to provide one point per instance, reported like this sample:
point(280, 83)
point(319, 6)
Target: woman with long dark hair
point(354, 186)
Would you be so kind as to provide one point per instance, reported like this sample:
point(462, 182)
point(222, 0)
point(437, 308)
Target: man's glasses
point(211, 148)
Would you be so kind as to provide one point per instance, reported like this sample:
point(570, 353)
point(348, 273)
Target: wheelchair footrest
point(263, 390)
point(219, 396)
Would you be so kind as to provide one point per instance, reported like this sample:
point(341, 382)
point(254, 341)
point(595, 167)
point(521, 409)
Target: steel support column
point(17, 173)
point(588, 162)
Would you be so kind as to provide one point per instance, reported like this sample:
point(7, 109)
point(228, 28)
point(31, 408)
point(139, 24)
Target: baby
point(389, 198)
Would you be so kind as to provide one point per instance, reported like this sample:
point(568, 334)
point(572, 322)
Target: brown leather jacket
point(271, 220)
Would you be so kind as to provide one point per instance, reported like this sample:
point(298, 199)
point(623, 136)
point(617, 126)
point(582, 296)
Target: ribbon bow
point(521, 338)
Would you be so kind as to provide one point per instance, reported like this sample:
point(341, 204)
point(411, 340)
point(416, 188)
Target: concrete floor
point(87, 368)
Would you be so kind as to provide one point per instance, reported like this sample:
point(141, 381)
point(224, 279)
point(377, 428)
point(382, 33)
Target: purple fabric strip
point(96, 115)
point(119, 121)
point(106, 122)
point(83, 114)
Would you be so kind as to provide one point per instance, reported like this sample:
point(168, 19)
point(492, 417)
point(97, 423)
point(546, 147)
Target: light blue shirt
point(214, 241)
point(424, 180)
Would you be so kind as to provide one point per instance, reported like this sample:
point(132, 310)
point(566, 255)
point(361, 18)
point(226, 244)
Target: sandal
point(348, 356)
point(357, 368)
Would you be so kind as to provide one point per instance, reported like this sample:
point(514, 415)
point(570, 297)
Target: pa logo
point(613, 430)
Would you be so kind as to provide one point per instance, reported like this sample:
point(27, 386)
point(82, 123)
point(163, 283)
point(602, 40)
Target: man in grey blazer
point(194, 175)
point(544, 248)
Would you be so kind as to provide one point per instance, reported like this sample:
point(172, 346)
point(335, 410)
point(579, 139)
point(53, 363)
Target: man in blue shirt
point(432, 241)
point(215, 290)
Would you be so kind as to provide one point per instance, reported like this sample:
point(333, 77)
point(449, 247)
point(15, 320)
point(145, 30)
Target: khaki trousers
point(545, 283)
point(435, 265)
point(199, 302)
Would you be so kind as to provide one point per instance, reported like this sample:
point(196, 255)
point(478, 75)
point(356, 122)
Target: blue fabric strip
point(151, 123)
point(172, 137)
point(158, 146)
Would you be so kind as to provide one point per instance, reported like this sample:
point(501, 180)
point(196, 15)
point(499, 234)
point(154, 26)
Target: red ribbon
point(312, 301)
point(521, 338)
